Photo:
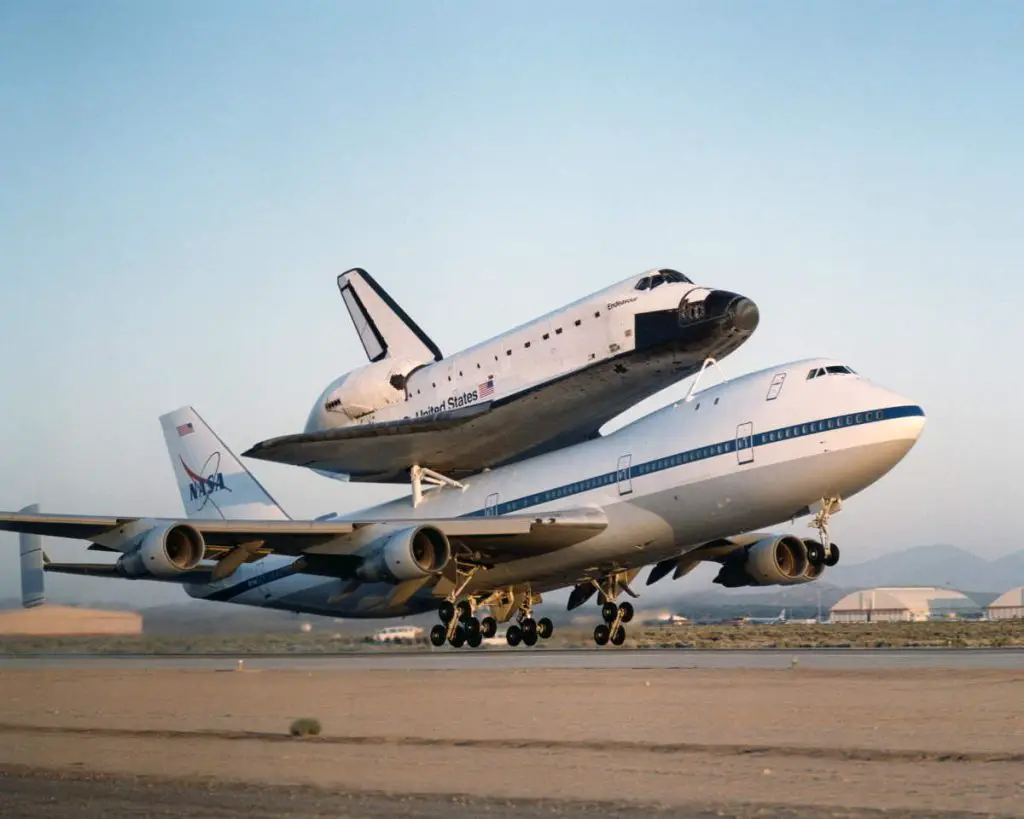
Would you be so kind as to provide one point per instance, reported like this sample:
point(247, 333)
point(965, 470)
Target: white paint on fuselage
point(674, 502)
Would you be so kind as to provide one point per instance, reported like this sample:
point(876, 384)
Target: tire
point(463, 610)
point(619, 637)
point(529, 627)
point(514, 635)
point(609, 611)
point(473, 640)
point(545, 628)
point(438, 634)
point(458, 639)
point(472, 626)
point(627, 611)
point(488, 627)
point(530, 638)
point(832, 556)
point(601, 633)
point(446, 611)
point(815, 553)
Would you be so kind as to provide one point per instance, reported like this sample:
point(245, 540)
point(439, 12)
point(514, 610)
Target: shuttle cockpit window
point(674, 276)
point(660, 278)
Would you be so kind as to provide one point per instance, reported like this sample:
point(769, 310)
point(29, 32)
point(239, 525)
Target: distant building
point(903, 604)
point(1007, 606)
point(59, 621)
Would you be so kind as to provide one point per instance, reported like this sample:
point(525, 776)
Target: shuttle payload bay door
point(745, 443)
point(623, 475)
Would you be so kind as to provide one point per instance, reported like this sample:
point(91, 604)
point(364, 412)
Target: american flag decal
point(486, 388)
point(186, 429)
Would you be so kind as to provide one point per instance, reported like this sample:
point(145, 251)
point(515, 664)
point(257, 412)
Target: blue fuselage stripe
point(627, 473)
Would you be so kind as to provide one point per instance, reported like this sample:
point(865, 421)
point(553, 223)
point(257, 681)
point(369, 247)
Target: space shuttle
point(547, 384)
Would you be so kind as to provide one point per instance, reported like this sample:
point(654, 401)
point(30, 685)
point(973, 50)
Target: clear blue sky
point(181, 182)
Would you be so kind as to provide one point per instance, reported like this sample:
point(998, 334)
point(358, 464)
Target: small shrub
point(305, 727)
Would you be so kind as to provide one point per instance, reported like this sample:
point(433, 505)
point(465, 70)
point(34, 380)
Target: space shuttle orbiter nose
point(705, 322)
point(731, 308)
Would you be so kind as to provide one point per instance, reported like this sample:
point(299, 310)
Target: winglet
point(32, 586)
point(384, 328)
point(212, 481)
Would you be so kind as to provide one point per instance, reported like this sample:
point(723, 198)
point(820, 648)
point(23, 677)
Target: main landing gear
point(613, 630)
point(527, 630)
point(459, 625)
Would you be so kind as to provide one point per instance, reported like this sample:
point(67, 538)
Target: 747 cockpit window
point(834, 369)
point(661, 277)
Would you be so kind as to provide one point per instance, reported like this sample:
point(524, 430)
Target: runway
point(423, 741)
point(554, 659)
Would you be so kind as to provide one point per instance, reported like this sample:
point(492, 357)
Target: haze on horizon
point(182, 184)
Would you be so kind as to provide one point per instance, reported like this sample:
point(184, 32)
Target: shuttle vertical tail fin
point(212, 481)
point(32, 586)
point(384, 328)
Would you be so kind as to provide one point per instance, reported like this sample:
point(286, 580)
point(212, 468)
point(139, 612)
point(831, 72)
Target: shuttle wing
point(464, 441)
point(486, 540)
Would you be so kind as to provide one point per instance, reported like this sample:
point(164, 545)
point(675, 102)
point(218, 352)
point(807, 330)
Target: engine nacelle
point(407, 554)
point(771, 561)
point(362, 391)
point(812, 572)
point(165, 551)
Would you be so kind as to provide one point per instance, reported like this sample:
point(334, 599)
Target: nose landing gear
point(822, 556)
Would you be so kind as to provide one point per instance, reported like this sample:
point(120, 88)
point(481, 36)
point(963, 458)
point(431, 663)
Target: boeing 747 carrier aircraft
point(550, 383)
point(687, 483)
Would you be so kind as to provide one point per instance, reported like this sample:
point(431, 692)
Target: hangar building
point(904, 604)
point(1007, 606)
point(55, 621)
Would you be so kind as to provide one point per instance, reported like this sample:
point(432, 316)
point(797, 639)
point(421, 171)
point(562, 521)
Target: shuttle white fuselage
point(546, 384)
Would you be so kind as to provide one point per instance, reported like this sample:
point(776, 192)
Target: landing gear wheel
point(464, 610)
point(832, 556)
point(545, 628)
point(530, 638)
point(473, 639)
point(446, 611)
point(627, 612)
point(601, 634)
point(609, 611)
point(488, 627)
point(529, 627)
point(438, 634)
point(619, 637)
point(473, 628)
point(514, 635)
point(458, 639)
point(815, 553)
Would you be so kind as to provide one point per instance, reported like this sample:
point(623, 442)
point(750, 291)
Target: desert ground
point(689, 742)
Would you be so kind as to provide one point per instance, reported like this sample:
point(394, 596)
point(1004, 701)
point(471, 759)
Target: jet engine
point(361, 391)
point(407, 554)
point(771, 561)
point(165, 551)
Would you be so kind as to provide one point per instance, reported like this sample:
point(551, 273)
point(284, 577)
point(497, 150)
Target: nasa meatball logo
point(205, 482)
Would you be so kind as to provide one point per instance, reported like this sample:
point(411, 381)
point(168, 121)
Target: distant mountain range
point(941, 565)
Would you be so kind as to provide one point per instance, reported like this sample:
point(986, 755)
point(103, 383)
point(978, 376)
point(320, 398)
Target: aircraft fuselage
point(746, 454)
